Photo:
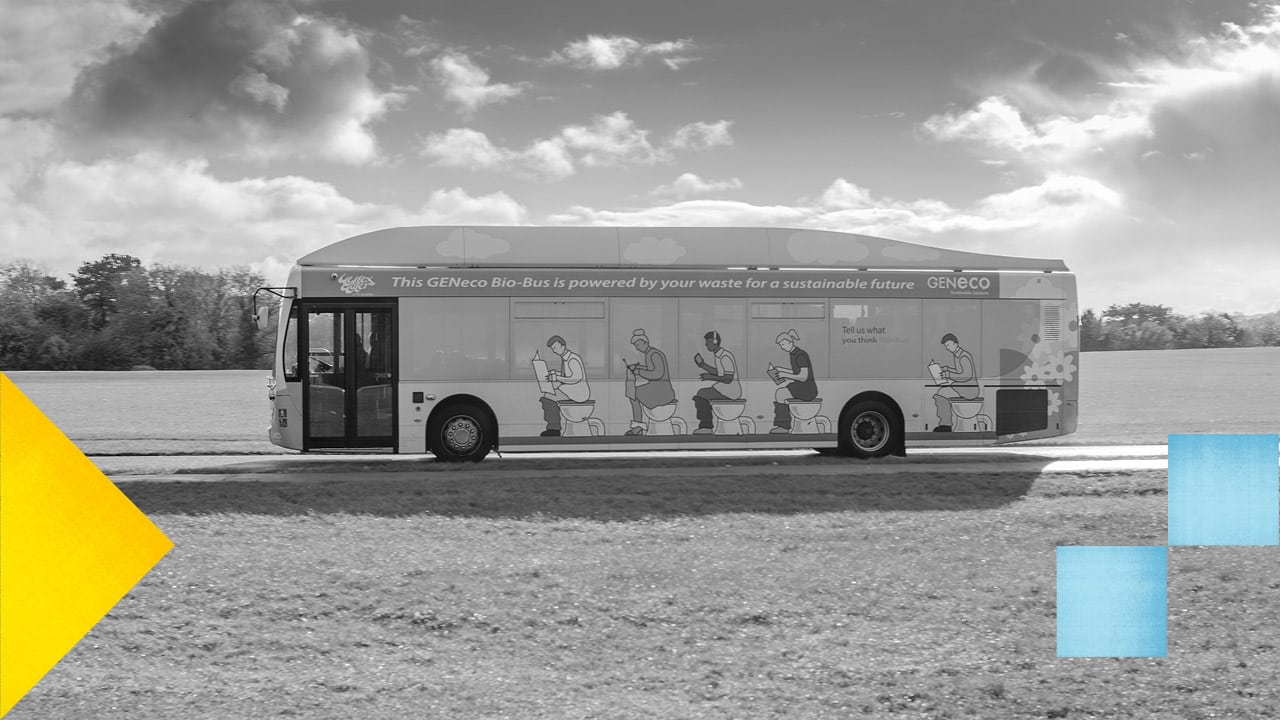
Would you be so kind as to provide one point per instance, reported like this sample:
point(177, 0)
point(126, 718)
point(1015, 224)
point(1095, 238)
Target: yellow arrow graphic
point(71, 544)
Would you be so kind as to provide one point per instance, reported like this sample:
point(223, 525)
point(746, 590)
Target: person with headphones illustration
point(722, 374)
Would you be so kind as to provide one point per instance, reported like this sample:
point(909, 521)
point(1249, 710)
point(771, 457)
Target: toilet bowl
point(576, 420)
point(729, 420)
point(661, 421)
point(967, 416)
point(805, 419)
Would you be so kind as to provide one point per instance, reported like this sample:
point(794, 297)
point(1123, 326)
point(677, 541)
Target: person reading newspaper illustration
point(569, 383)
point(957, 381)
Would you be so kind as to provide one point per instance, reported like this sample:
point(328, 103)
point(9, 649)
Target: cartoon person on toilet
point(953, 378)
point(802, 385)
point(648, 382)
point(722, 374)
point(569, 383)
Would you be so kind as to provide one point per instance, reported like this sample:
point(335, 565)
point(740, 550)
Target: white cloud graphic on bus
point(823, 248)
point(652, 250)
point(472, 246)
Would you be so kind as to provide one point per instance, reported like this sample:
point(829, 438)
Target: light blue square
point(1113, 601)
point(1224, 489)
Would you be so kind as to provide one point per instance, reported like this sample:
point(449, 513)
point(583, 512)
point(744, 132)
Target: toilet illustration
point(805, 419)
point(729, 420)
point(968, 417)
point(661, 420)
point(576, 420)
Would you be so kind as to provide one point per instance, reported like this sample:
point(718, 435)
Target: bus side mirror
point(262, 316)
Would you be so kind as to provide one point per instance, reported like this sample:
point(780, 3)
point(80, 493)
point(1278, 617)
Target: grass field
point(708, 588)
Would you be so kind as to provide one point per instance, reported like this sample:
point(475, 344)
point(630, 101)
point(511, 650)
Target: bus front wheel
point(869, 429)
point(460, 433)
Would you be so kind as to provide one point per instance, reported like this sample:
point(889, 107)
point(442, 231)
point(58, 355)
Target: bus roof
point(666, 247)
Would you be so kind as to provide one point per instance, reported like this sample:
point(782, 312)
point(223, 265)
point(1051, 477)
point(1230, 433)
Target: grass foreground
point(715, 594)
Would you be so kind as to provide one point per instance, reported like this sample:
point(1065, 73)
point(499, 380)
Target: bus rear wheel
point(869, 429)
point(460, 433)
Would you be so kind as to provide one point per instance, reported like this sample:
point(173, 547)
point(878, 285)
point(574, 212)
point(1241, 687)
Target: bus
point(460, 341)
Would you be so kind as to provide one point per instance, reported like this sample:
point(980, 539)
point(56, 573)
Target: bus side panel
point(1030, 357)
point(521, 419)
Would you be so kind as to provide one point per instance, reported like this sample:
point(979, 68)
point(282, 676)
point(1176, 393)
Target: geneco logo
point(352, 284)
point(960, 282)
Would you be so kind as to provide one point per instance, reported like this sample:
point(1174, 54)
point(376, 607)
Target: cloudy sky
point(1138, 140)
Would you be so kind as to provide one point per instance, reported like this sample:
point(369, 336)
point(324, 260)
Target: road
point(1022, 459)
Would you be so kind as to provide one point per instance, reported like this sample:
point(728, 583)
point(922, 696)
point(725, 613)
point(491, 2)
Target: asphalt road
point(1023, 459)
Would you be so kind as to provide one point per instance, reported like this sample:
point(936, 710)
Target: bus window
point(289, 353)
point(527, 310)
point(727, 319)
point(876, 338)
point(656, 317)
point(455, 338)
point(769, 321)
point(581, 323)
point(959, 318)
point(788, 311)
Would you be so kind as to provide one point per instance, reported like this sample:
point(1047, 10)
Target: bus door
point(349, 351)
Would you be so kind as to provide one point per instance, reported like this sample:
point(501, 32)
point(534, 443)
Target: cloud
point(688, 213)
point(701, 135)
point(600, 52)
point(466, 148)
point(25, 143)
point(411, 37)
point(611, 139)
point(457, 207)
point(608, 141)
point(689, 184)
point(467, 84)
point(996, 124)
point(253, 79)
point(1054, 205)
point(176, 211)
point(257, 86)
point(44, 45)
point(1155, 153)
point(1213, 91)
point(843, 194)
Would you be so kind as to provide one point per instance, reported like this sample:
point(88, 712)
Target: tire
point(460, 433)
point(869, 429)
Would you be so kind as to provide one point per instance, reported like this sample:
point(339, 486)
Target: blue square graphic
point(1224, 489)
point(1113, 601)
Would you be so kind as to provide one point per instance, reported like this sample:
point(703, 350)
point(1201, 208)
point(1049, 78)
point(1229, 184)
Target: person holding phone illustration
point(722, 373)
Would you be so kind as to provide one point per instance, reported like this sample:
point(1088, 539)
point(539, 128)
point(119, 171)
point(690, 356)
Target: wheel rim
point(461, 434)
point(870, 431)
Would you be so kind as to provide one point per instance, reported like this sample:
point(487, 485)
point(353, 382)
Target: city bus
point(461, 341)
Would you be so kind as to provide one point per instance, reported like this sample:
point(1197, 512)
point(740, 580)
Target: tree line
point(114, 314)
point(1155, 327)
